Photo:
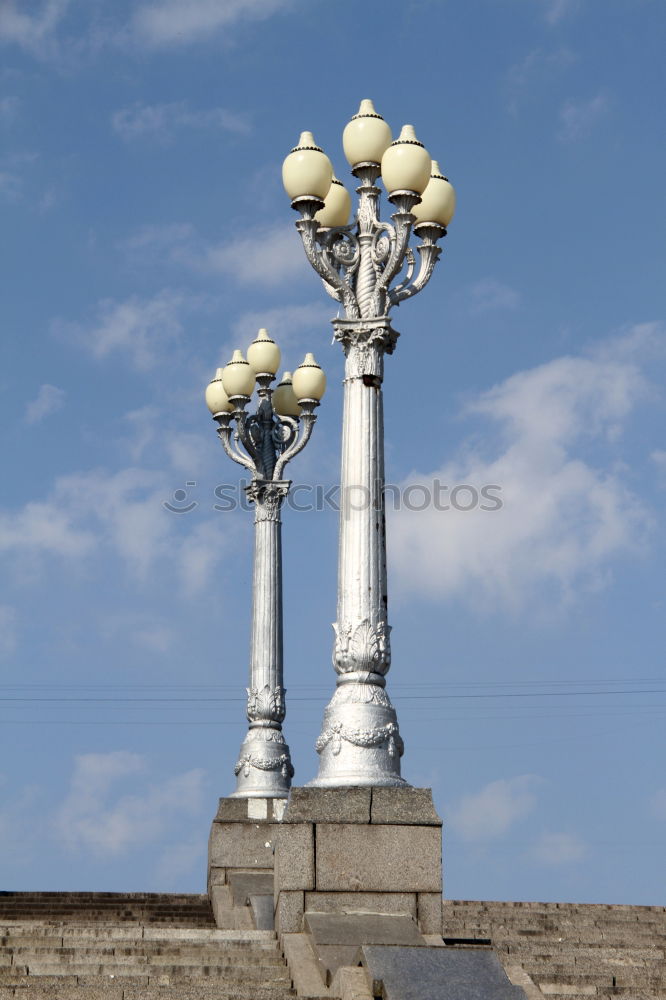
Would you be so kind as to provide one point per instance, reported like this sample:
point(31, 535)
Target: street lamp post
point(362, 267)
point(264, 443)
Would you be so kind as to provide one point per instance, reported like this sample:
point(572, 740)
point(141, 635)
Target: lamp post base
point(360, 741)
point(264, 769)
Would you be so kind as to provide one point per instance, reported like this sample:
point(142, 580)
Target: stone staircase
point(132, 946)
point(571, 950)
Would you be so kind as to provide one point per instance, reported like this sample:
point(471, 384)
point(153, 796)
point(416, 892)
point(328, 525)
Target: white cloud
point(8, 636)
point(564, 518)
point(91, 819)
point(96, 511)
point(556, 10)
point(179, 860)
point(139, 328)
point(558, 849)
point(577, 118)
point(11, 186)
point(537, 67)
point(48, 401)
point(140, 629)
point(9, 107)
point(658, 804)
point(659, 458)
point(161, 121)
point(286, 324)
point(171, 22)
point(266, 258)
point(489, 294)
point(34, 32)
point(493, 810)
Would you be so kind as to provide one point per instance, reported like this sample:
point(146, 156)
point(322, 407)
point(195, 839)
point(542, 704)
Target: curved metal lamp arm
point(308, 418)
point(224, 431)
point(403, 228)
point(243, 434)
point(320, 261)
point(429, 257)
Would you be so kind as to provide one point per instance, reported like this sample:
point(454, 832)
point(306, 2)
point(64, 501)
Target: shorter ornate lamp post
point(264, 442)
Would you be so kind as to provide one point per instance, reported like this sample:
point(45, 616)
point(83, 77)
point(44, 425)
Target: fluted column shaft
point(360, 742)
point(264, 767)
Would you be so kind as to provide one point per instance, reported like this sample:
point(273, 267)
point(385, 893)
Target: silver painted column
point(264, 766)
point(360, 743)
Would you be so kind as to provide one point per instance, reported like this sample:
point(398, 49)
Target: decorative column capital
point(267, 496)
point(365, 342)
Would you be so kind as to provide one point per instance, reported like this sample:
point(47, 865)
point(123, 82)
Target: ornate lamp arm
point(225, 431)
point(308, 417)
point(319, 259)
point(403, 220)
point(429, 253)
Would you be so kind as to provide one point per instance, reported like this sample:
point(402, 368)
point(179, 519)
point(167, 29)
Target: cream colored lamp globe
point(337, 206)
point(263, 354)
point(238, 376)
point(307, 171)
point(217, 400)
point(309, 380)
point(367, 136)
point(438, 201)
point(406, 163)
point(284, 398)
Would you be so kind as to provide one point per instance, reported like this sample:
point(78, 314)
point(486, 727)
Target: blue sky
point(146, 234)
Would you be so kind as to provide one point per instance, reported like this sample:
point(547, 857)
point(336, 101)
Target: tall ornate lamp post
point(264, 443)
point(362, 267)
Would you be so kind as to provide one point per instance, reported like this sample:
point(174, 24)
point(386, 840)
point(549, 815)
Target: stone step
point(186, 970)
point(148, 950)
point(182, 991)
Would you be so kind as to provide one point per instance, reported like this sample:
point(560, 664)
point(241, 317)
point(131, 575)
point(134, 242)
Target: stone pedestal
point(343, 850)
point(242, 839)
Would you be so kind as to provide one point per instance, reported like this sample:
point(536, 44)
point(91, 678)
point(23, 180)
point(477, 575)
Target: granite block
point(252, 883)
point(362, 928)
point(232, 810)
point(398, 973)
point(358, 902)
point(403, 806)
point(429, 912)
point(263, 916)
point(289, 913)
point(241, 845)
point(294, 857)
point(328, 805)
point(378, 858)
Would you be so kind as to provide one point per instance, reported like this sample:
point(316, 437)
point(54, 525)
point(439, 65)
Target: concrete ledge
point(289, 911)
point(241, 845)
point(429, 912)
point(303, 967)
point(404, 806)
point(362, 902)
point(378, 858)
point(329, 805)
point(294, 857)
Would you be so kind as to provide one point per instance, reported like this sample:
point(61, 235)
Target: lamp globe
point(263, 354)
point(307, 171)
point(309, 380)
point(337, 206)
point(217, 400)
point(284, 398)
point(367, 136)
point(438, 201)
point(406, 163)
point(238, 376)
